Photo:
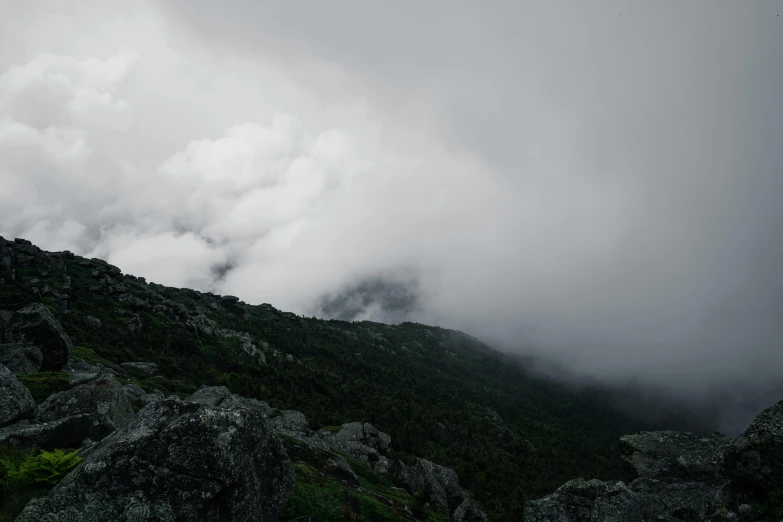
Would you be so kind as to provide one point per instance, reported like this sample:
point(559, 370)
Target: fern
point(42, 468)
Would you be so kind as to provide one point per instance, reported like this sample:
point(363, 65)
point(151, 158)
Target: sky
point(597, 184)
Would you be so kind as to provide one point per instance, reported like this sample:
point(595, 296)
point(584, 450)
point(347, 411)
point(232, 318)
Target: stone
point(94, 321)
point(756, 457)
point(291, 421)
point(439, 486)
point(21, 358)
point(68, 432)
point(16, 403)
point(146, 368)
point(36, 325)
point(221, 397)
point(177, 461)
point(103, 399)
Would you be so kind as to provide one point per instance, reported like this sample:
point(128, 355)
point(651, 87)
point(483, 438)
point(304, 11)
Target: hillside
point(440, 395)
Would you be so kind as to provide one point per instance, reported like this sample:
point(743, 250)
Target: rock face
point(679, 477)
point(757, 456)
point(16, 403)
point(36, 325)
point(68, 432)
point(21, 358)
point(103, 399)
point(178, 461)
point(440, 487)
point(220, 396)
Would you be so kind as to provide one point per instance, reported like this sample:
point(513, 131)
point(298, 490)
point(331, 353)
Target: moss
point(44, 384)
point(86, 354)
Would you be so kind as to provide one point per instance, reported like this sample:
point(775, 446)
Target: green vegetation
point(44, 384)
point(773, 507)
point(428, 387)
point(24, 476)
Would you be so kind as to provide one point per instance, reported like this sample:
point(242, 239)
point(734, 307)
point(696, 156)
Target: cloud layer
point(595, 184)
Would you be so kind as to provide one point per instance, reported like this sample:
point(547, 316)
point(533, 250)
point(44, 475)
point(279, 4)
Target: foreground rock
point(177, 461)
point(21, 358)
point(757, 456)
point(679, 477)
point(439, 486)
point(36, 325)
point(68, 432)
point(103, 399)
point(16, 403)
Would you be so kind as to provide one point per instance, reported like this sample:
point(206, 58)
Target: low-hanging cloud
point(596, 184)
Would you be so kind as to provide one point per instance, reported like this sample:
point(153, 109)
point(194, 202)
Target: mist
point(596, 185)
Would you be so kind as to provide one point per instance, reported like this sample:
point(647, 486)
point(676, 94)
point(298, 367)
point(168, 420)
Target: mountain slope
point(441, 395)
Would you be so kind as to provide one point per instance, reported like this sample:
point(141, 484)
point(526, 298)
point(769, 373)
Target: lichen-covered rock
point(221, 397)
point(36, 325)
point(757, 456)
point(365, 433)
point(177, 461)
point(291, 421)
point(62, 433)
point(21, 358)
point(440, 487)
point(673, 455)
point(103, 399)
point(587, 501)
point(16, 403)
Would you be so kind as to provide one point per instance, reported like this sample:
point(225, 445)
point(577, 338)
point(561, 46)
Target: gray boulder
point(177, 461)
point(440, 487)
point(36, 325)
point(221, 397)
point(68, 432)
point(290, 422)
point(365, 433)
point(103, 399)
point(21, 358)
point(16, 403)
point(149, 398)
point(756, 457)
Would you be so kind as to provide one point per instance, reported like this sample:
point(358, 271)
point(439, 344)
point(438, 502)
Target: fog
point(594, 184)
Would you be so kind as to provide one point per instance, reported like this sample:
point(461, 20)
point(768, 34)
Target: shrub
point(41, 468)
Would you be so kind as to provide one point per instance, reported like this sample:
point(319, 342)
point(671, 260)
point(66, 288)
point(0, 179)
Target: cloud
point(595, 184)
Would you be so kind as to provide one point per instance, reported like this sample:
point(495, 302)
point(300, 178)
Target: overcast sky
point(600, 182)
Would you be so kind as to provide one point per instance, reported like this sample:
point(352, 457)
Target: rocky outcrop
point(21, 358)
point(36, 325)
point(16, 403)
point(178, 461)
point(68, 432)
point(756, 457)
point(439, 486)
point(145, 368)
point(103, 399)
point(679, 477)
point(221, 397)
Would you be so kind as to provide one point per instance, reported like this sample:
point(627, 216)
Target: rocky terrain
point(160, 392)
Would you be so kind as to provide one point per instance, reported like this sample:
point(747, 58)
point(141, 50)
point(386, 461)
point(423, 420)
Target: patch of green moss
point(86, 354)
point(44, 384)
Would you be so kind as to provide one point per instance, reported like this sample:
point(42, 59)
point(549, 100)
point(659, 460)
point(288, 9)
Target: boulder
point(291, 421)
point(149, 398)
point(68, 432)
point(16, 403)
point(671, 455)
point(146, 368)
point(36, 325)
point(221, 397)
point(21, 358)
point(103, 399)
point(586, 501)
point(177, 461)
point(756, 457)
point(365, 433)
point(439, 486)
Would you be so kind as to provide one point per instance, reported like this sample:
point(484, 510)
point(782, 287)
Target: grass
point(44, 384)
